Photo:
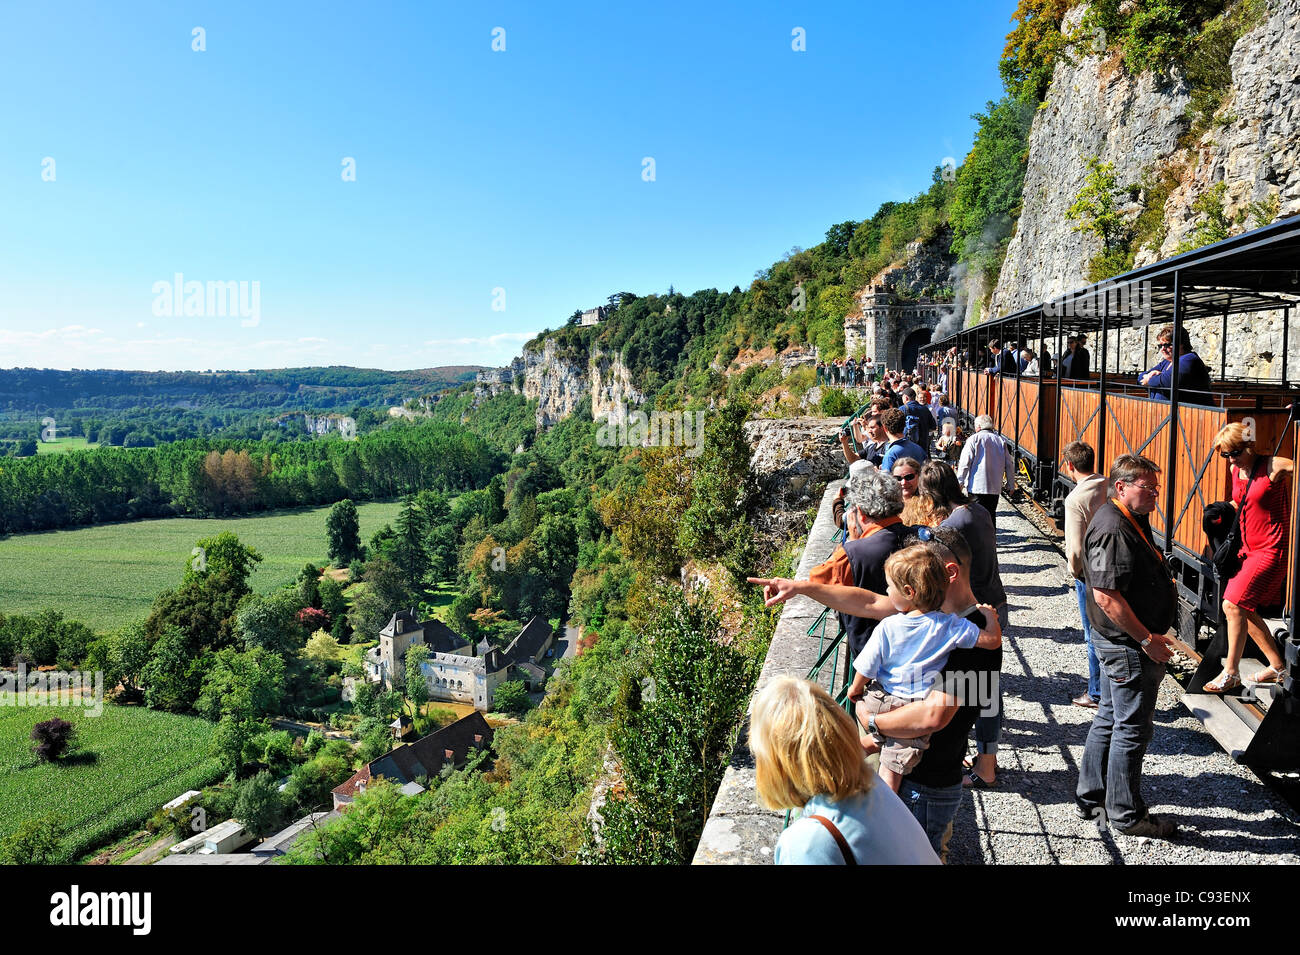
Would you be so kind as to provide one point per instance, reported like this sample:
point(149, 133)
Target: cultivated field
point(64, 445)
point(141, 759)
point(109, 575)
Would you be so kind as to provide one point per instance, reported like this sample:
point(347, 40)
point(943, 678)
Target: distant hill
point(143, 408)
point(41, 389)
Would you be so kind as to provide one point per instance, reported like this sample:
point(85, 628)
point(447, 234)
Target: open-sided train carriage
point(1251, 278)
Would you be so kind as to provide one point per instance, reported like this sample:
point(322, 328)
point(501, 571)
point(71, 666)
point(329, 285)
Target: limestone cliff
point(1096, 107)
point(612, 388)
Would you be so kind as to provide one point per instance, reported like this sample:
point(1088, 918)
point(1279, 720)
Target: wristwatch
point(1145, 642)
point(878, 736)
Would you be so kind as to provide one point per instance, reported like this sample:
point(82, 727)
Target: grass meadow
point(64, 445)
point(124, 764)
point(109, 574)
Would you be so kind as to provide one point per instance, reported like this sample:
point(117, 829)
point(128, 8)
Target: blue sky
point(475, 169)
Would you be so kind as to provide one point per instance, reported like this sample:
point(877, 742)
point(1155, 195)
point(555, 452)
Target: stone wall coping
point(739, 831)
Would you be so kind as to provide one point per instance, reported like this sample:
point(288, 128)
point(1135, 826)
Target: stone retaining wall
point(739, 831)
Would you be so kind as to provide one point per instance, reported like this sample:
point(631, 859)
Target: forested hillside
point(144, 408)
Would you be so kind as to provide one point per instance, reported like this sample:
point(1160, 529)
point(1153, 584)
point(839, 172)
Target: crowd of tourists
point(879, 776)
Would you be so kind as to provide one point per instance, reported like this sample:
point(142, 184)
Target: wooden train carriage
point(1004, 413)
point(1036, 434)
point(1140, 425)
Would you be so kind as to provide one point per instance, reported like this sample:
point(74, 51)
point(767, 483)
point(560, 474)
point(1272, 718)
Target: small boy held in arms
point(908, 650)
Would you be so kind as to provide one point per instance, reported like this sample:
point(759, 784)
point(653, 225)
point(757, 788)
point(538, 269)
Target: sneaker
point(1153, 827)
point(1085, 701)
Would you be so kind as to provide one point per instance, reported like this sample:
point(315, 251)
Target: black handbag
point(1226, 558)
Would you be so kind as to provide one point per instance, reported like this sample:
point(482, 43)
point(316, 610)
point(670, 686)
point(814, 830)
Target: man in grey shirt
point(986, 465)
point(1078, 463)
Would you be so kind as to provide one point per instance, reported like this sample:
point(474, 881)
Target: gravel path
point(1225, 813)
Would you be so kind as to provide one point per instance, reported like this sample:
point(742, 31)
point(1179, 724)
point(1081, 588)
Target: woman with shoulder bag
point(807, 757)
point(1261, 495)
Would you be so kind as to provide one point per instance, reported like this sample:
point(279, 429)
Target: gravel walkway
point(1225, 813)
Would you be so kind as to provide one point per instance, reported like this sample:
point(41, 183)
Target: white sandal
point(1269, 674)
point(1222, 683)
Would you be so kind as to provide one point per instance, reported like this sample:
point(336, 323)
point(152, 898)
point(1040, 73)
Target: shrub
point(836, 404)
point(53, 737)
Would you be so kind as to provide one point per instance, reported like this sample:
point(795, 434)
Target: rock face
point(792, 458)
point(1256, 150)
point(612, 389)
point(1096, 107)
point(556, 382)
point(496, 381)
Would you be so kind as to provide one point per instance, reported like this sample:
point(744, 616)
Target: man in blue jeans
point(966, 689)
point(1078, 464)
point(1132, 603)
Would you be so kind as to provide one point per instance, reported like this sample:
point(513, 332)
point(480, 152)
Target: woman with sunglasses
point(908, 472)
point(1261, 496)
point(1193, 374)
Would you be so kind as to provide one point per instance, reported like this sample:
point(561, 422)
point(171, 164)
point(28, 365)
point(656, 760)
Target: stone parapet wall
point(739, 831)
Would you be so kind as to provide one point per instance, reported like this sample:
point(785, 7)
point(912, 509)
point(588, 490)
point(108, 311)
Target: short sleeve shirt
point(1118, 557)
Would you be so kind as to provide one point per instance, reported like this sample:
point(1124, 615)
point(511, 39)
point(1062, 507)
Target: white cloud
point(492, 341)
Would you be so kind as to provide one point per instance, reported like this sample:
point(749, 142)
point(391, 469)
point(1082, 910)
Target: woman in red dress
point(1267, 501)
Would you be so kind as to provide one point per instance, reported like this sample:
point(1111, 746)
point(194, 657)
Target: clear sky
point(475, 170)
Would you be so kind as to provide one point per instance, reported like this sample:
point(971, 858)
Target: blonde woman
point(807, 756)
point(1260, 485)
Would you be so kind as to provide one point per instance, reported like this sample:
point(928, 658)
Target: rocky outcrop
point(497, 381)
point(612, 389)
point(1254, 147)
point(1095, 107)
point(792, 459)
point(557, 382)
point(927, 269)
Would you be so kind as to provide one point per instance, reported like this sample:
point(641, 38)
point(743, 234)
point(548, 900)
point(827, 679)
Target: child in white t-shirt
point(906, 652)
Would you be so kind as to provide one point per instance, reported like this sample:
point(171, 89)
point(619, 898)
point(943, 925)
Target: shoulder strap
point(839, 839)
point(1146, 540)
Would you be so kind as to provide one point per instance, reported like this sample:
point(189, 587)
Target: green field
point(142, 759)
point(64, 445)
point(109, 575)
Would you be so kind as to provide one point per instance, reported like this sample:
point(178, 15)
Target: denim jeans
point(1110, 775)
point(1094, 668)
point(988, 729)
point(934, 808)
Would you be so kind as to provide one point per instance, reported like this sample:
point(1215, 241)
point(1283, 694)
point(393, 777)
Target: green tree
point(417, 687)
point(408, 551)
point(332, 600)
point(172, 676)
point(34, 841)
point(232, 738)
point(310, 784)
point(672, 735)
point(723, 487)
point(128, 655)
point(245, 685)
point(374, 744)
point(224, 552)
point(1096, 212)
point(270, 623)
point(511, 697)
point(323, 650)
point(385, 592)
point(260, 806)
point(343, 533)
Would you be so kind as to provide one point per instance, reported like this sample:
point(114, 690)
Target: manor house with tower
point(457, 671)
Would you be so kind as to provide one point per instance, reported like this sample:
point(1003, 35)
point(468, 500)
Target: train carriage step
point(1226, 726)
